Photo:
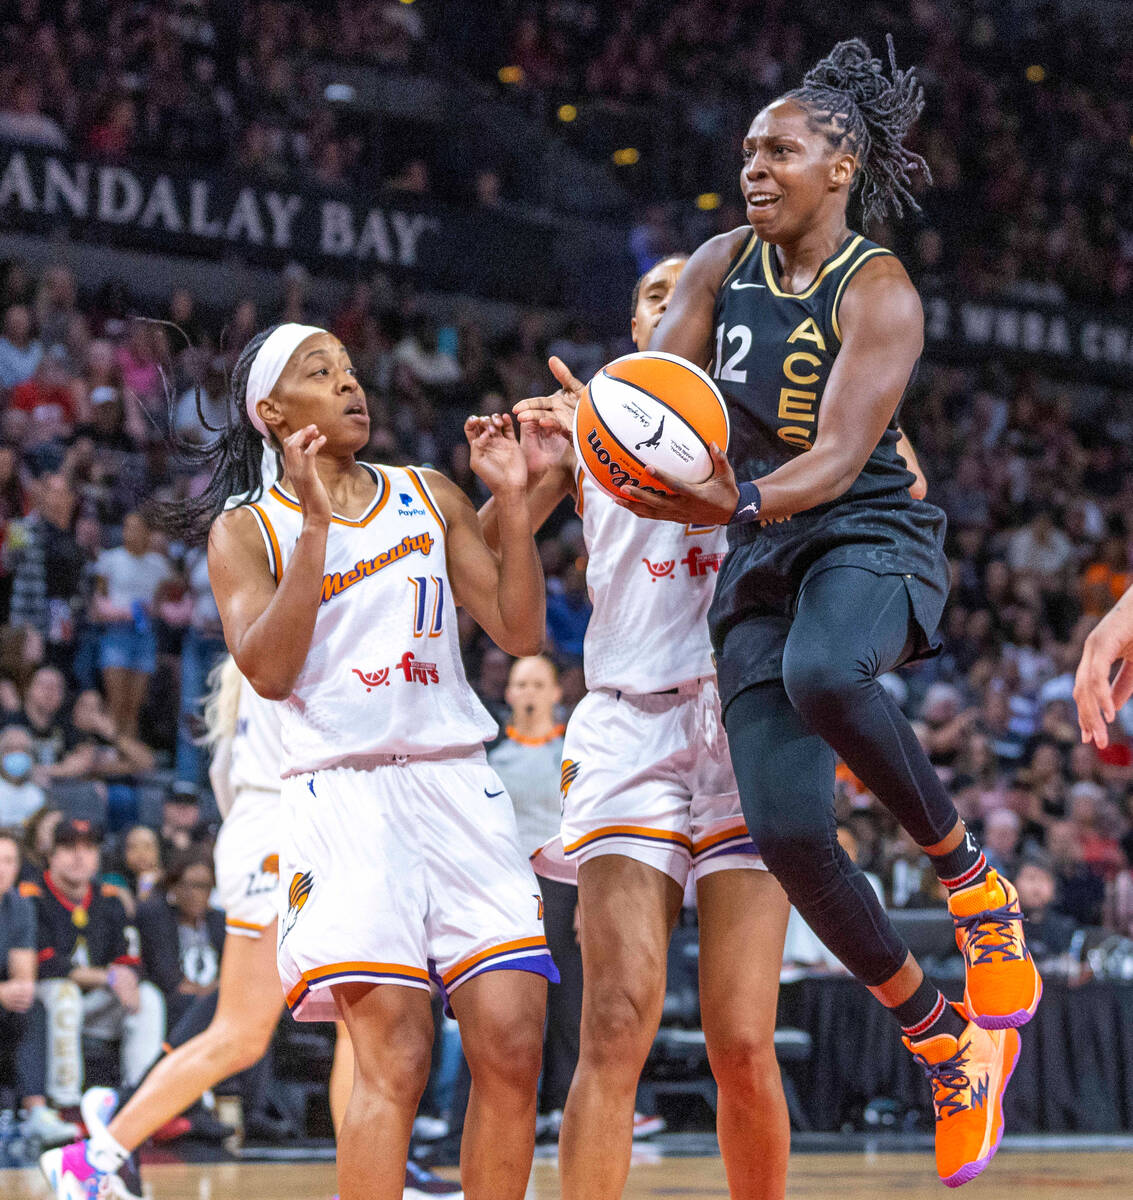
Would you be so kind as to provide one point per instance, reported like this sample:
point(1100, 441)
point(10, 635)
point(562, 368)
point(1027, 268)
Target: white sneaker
point(646, 1127)
point(429, 1129)
point(97, 1106)
point(44, 1125)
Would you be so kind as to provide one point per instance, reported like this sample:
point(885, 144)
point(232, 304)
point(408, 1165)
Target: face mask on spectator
point(16, 764)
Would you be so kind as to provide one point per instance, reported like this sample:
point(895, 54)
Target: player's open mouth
point(356, 410)
point(762, 199)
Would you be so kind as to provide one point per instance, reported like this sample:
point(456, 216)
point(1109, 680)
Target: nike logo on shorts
point(493, 795)
point(737, 286)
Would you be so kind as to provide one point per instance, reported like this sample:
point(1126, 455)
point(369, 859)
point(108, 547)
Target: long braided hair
point(850, 100)
point(233, 456)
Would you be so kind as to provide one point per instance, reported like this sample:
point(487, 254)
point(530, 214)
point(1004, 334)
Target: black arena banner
point(1091, 344)
point(222, 215)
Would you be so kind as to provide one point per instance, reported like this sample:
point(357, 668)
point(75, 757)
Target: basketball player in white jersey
point(244, 732)
point(649, 797)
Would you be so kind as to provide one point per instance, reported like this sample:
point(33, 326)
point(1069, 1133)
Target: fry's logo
point(337, 583)
point(418, 672)
point(699, 563)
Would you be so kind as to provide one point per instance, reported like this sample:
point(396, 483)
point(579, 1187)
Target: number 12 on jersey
point(428, 619)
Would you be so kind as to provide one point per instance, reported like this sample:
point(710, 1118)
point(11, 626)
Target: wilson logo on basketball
point(569, 775)
point(297, 895)
point(413, 543)
point(618, 477)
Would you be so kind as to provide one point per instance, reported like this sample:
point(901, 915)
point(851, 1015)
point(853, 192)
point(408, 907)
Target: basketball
point(649, 410)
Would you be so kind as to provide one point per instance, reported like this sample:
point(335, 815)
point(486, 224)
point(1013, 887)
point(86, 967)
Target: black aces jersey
point(774, 352)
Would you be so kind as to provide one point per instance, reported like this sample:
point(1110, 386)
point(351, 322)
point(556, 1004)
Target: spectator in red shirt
point(48, 400)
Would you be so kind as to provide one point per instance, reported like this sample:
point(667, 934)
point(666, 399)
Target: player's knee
point(618, 1018)
point(398, 1071)
point(819, 686)
point(744, 1064)
point(510, 1056)
point(236, 1047)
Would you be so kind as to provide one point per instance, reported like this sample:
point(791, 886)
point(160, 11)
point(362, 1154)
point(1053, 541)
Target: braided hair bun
point(850, 99)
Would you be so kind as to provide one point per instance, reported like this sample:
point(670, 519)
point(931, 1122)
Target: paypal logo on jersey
point(408, 507)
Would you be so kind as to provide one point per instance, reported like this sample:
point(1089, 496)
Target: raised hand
point(709, 503)
point(299, 452)
point(553, 413)
point(496, 455)
point(1096, 697)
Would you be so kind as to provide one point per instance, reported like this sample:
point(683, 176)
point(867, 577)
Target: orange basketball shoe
point(969, 1075)
point(1002, 988)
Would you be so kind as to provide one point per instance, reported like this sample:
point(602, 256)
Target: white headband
point(268, 365)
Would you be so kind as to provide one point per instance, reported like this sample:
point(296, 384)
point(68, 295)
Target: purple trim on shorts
point(537, 964)
point(742, 845)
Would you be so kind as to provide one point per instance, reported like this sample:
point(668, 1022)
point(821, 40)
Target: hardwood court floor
point(1071, 1175)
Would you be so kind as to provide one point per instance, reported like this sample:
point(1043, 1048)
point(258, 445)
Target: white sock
point(104, 1153)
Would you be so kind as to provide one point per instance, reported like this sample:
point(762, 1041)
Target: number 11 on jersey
point(428, 618)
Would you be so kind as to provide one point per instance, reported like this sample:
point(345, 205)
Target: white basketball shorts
point(247, 862)
point(649, 777)
point(408, 873)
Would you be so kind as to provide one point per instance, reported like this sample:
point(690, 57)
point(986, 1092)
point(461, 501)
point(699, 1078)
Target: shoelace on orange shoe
point(992, 932)
point(949, 1081)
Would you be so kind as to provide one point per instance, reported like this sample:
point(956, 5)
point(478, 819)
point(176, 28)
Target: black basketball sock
point(963, 865)
point(926, 1014)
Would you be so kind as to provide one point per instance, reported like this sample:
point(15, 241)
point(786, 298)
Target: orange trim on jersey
point(631, 831)
point(232, 923)
point(423, 492)
point(515, 736)
point(715, 839)
point(578, 492)
point(318, 975)
point(277, 558)
point(378, 503)
point(462, 968)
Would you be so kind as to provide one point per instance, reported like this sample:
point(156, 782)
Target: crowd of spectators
point(203, 83)
point(108, 628)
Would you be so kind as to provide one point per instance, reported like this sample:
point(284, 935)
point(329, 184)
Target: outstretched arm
point(502, 590)
point(1097, 698)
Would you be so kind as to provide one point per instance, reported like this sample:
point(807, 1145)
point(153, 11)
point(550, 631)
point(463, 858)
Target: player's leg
point(743, 921)
point(391, 1031)
point(785, 773)
point(341, 1076)
point(501, 1017)
point(627, 911)
point(851, 627)
point(249, 1004)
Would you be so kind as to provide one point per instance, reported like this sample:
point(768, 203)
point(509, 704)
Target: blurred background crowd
point(107, 627)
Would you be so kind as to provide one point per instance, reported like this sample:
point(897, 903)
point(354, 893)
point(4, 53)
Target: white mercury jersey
point(650, 583)
point(383, 674)
point(255, 743)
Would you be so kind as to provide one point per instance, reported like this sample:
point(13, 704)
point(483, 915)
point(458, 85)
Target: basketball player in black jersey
point(835, 574)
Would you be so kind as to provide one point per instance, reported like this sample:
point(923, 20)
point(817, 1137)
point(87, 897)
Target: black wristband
point(747, 506)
